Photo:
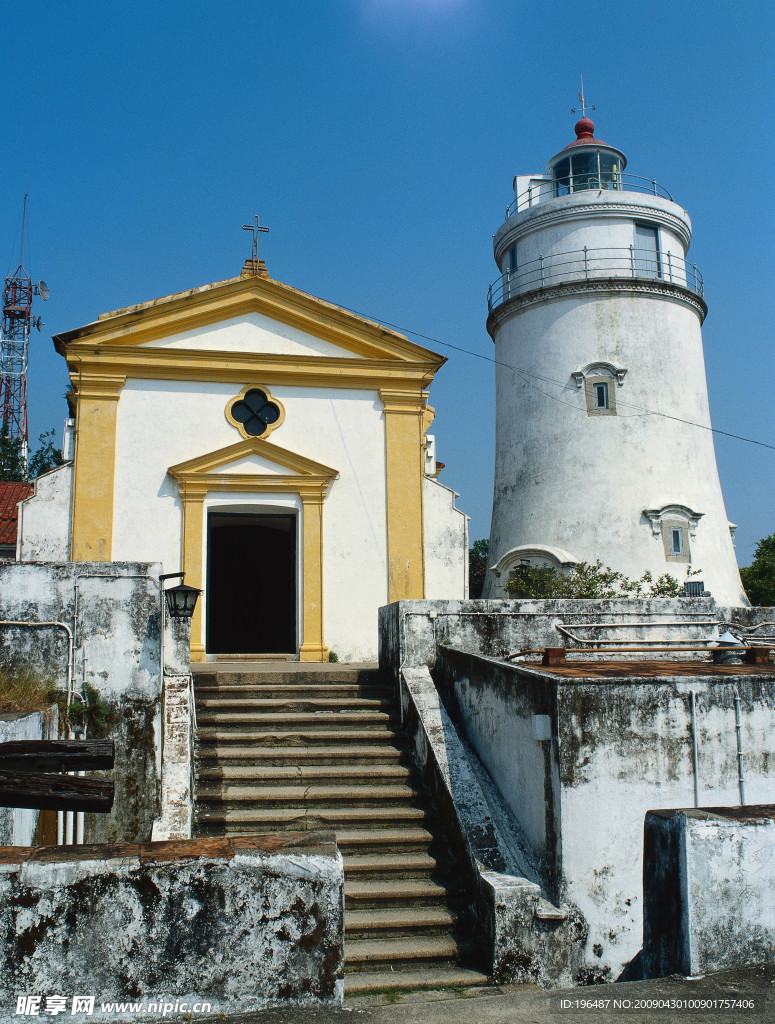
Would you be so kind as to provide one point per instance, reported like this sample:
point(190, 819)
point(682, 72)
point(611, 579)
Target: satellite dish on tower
point(38, 323)
point(43, 290)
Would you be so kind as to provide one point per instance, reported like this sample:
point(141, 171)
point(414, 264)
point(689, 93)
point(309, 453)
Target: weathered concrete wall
point(412, 631)
point(708, 881)
point(44, 518)
point(19, 824)
point(178, 735)
point(521, 935)
point(177, 783)
point(242, 923)
point(497, 719)
point(618, 747)
point(113, 612)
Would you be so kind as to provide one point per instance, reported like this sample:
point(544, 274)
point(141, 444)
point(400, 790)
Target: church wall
point(250, 333)
point(446, 542)
point(44, 518)
point(342, 428)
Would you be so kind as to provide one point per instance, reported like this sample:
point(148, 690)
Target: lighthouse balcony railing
point(571, 184)
point(591, 264)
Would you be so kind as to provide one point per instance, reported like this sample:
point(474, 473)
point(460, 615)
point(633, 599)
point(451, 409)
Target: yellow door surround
point(309, 480)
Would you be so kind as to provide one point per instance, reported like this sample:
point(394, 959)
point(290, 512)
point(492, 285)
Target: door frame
point(250, 512)
point(304, 479)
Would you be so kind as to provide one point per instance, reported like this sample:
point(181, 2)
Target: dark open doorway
point(251, 584)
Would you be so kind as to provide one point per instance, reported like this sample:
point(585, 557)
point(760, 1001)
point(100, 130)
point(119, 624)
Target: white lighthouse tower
point(602, 441)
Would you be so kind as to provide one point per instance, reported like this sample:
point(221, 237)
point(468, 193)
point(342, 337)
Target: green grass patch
point(23, 691)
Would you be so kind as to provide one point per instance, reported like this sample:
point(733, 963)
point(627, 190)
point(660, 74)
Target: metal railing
point(588, 182)
point(590, 264)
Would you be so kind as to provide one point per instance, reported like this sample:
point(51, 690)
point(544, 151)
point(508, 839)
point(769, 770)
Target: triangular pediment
point(243, 316)
point(252, 465)
point(252, 334)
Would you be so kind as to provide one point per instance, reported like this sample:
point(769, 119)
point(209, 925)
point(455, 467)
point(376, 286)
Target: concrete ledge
point(522, 936)
point(240, 923)
point(708, 880)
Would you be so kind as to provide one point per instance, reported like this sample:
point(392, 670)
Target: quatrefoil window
point(255, 412)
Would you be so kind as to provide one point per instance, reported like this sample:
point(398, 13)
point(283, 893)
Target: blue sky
point(378, 140)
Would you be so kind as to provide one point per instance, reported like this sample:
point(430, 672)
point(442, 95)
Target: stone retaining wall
point(239, 923)
point(708, 878)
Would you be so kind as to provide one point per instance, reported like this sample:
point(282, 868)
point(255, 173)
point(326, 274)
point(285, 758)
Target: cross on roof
point(255, 227)
point(582, 101)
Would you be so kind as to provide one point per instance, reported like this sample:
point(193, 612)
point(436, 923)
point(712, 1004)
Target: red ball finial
point(585, 129)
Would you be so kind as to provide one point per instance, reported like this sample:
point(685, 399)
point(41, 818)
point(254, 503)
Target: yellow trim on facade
point(308, 479)
point(238, 297)
point(96, 402)
point(270, 398)
point(404, 457)
point(313, 647)
point(236, 368)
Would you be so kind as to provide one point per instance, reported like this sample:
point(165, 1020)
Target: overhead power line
point(524, 374)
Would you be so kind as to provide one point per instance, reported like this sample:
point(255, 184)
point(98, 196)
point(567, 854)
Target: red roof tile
point(11, 493)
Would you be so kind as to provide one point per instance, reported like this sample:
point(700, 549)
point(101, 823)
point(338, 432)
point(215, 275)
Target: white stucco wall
point(343, 430)
point(580, 482)
point(252, 332)
point(340, 428)
point(44, 518)
point(446, 542)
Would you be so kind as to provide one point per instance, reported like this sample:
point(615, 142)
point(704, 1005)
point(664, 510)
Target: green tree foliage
point(587, 580)
point(477, 567)
point(759, 577)
point(12, 460)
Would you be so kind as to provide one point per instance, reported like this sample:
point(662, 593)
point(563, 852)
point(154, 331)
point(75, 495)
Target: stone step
point(259, 775)
point(375, 840)
point(308, 796)
point(400, 950)
point(360, 923)
point(294, 719)
point(298, 691)
point(295, 705)
point(271, 819)
point(279, 756)
point(382, 865)
point(379, 892)
point(364, 982)
point(285, 675)
point(297, 737)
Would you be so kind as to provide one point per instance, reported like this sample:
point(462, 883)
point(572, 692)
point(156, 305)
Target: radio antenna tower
point(18, 291)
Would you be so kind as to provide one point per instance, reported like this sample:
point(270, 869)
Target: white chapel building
point(603, 441)
point(271, 445)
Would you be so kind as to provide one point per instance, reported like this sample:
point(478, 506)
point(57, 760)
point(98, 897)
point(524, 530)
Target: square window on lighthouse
point(600, 397)
point(675, 538)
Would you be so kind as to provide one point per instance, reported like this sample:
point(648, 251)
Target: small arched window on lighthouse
point(599, 382)
point(676, 525)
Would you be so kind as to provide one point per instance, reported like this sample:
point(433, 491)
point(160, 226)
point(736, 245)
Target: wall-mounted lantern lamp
point(181, 600)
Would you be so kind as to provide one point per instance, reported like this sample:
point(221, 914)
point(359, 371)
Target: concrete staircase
point(299, 747)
